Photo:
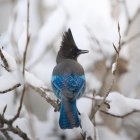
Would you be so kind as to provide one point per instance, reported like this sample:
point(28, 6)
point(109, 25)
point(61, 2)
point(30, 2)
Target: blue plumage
point(68, 88)
point(68, 81)
point(75, 84)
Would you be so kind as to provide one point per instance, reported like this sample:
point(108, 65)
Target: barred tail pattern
point(68, 115)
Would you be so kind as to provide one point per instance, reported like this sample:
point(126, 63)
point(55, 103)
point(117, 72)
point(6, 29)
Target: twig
point(10, 89)
point(95, 134)
point(20, 106)
point(96, 108)
point(5, 133)
point(23, 70)
point(121, 116)
point(10, 127)
point(4, 110)
point(6, 65)
point(130, 39)
point(43, 94)
point(126, 12)
point(27, 39)
point(130, 20)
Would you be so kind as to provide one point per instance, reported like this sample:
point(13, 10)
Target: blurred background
point(94, 24)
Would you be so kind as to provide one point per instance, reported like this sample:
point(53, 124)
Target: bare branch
point(10, 127)
point(126, 12)
point(27, 39)
point(20, 106)
point(95, 134)
point(4, 110)
point(10, 89)
point(115, 48)
point(6, 65)
point(23, 70)
point(130, 20)
point(43, 94)
point(5, 133)
point(123, 116)
point(96, 108)
point(129, 40)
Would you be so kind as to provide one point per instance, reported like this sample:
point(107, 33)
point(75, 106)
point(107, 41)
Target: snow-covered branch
point(121, 106)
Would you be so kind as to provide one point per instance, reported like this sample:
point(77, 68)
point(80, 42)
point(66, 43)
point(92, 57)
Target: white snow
point(87, 126)
point(33, 80)
point(84, 105)
point(114, 66)
point(121, 105)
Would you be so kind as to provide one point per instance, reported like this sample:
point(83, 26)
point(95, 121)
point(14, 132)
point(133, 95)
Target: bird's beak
point(82, 51)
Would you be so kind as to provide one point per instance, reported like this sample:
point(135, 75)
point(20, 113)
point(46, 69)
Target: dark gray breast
point(68, 66)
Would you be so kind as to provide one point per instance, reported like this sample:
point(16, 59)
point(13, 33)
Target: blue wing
point(74, 85)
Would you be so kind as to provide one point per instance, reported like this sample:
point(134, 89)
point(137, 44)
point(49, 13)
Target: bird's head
point(68, 48)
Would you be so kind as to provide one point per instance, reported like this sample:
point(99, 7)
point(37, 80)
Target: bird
point(68, 81)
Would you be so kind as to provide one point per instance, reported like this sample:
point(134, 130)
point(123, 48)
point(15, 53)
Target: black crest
point(68, 48)
point(68, 40)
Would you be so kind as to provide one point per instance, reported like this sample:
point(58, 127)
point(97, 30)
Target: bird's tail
point(68, 115)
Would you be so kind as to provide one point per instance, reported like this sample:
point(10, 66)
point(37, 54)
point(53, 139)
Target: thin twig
point(27, 39)
point(43, 94)
point(4, 110)
point(23, 70)
point(129, 40)
point(20, 106)
point(95, 134)
point(121, 116)
point(7, 136)
point(126, 11)
point(10, 89)
point(10, 127)
point(130, 20)
point(117, 49)
point(6, 65)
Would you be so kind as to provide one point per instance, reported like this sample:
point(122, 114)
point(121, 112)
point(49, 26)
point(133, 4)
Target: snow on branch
point(121, 106)
point(32, 80)
point(87, 127)
point(114, 69)
point(9, 81)
point(40, 88)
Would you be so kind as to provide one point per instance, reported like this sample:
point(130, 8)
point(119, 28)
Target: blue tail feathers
point(68, 115)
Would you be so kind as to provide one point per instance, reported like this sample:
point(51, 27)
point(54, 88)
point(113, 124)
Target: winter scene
point(70, 70)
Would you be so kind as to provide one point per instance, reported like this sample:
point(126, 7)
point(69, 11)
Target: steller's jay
point(68, 81)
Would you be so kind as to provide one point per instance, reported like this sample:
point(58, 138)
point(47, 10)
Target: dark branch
point(43, 94)
point(10, 89)
point(121, 116)
point(6, 65)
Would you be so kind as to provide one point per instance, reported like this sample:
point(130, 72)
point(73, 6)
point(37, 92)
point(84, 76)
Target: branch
point(117, 49)
point(23, 70)
point(10, 89)
point(119, 116)
point(5, 133)
point(10, 127)
point(19, 108)
point(130, 39)
point(127, 12)
point(27, 39)
point(130, 20)
point(43, 94)
point(6, 65)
